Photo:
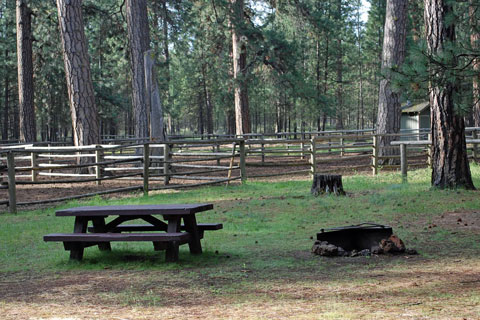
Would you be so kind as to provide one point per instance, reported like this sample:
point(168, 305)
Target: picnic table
point(165, 234)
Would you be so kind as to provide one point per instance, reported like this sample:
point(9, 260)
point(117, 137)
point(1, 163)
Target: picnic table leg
point(191, 227)
point(77, 248)
point(171, 254)
point(99, 227)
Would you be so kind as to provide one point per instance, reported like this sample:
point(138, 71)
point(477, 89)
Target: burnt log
point(327, 183)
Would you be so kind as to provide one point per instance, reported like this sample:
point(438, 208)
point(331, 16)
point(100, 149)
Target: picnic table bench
point(165, 235)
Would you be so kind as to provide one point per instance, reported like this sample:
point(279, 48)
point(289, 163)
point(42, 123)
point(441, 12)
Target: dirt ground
point(416, 293)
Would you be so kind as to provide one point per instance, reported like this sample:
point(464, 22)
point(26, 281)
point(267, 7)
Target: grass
point(259, 266)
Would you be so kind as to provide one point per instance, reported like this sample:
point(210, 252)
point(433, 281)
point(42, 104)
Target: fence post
point(146, 167)
point(403, 162)
point(263, 149)
point(302, 145)
point(475, 149)
point(34, 165)
point(429, 151)
point(313, 160)
point(342, 150)
point(375, 156)
point(166, 164)
point(243, 170)
point(98, 168)
point(217, 149)
point(12, 192)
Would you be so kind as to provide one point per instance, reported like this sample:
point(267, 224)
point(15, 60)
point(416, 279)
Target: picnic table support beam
point(12, 189)
point(77, 249)
point(171, 254)
point(403, 162)
point(99, 227)
point(146, 165)
point(191, 227)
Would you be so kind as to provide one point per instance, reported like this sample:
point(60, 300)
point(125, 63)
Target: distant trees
point(77, 70)
point(28, 129)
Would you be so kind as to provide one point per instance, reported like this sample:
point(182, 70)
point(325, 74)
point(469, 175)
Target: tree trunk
point(25, 72)
point(239, 50)
point(327, 183)
point(449, 153)
point(339, 91)
point(393, 55)
point(475, 43)
point(208, 99)
point(153, 100)
point(6, 101)
point(139, 42)
point(77, 70)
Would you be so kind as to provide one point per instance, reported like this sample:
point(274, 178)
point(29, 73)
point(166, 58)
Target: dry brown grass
point(424, 289)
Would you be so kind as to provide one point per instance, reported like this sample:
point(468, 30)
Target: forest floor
point(259, 266)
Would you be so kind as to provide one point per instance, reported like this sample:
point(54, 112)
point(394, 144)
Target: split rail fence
point(180, 163)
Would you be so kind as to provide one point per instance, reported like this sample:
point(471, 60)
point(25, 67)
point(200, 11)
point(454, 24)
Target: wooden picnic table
point(167, 234)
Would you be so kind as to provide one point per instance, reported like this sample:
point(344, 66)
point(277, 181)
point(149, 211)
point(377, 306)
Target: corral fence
point(123, 166)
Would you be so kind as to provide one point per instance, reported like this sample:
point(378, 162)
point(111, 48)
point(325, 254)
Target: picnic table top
point(135, 210)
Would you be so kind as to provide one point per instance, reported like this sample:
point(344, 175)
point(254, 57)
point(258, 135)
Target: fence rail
point(181, 163)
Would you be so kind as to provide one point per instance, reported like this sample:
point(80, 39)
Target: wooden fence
point(181, 163)
point(149, 166)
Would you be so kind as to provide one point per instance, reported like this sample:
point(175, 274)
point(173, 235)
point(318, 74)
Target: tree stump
point(327, 183)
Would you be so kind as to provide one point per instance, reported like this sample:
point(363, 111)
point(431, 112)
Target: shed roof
point(417, 108)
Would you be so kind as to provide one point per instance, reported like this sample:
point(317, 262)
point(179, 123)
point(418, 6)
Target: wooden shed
point(415, 118)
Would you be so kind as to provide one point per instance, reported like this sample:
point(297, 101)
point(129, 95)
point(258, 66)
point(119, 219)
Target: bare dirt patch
point(422, 289)
point(459, 221)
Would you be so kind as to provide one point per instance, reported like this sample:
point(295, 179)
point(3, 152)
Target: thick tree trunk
point(25, 72)
point(239, 50)
point(389, 113)
point(139, 42)
point(327, 183)
point(449, 153)
point(475, 43)
point(77, 70)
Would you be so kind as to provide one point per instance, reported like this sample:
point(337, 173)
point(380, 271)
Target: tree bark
point(339, 90)
point(393, 55)
point(77, 70)
point(475, 43)
point(25, 72)
point(153, 99)
point(6, 106)
point(449, 153)
point(239, 50)
point(139, 42)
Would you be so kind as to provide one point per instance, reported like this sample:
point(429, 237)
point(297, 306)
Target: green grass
point(265, 243)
